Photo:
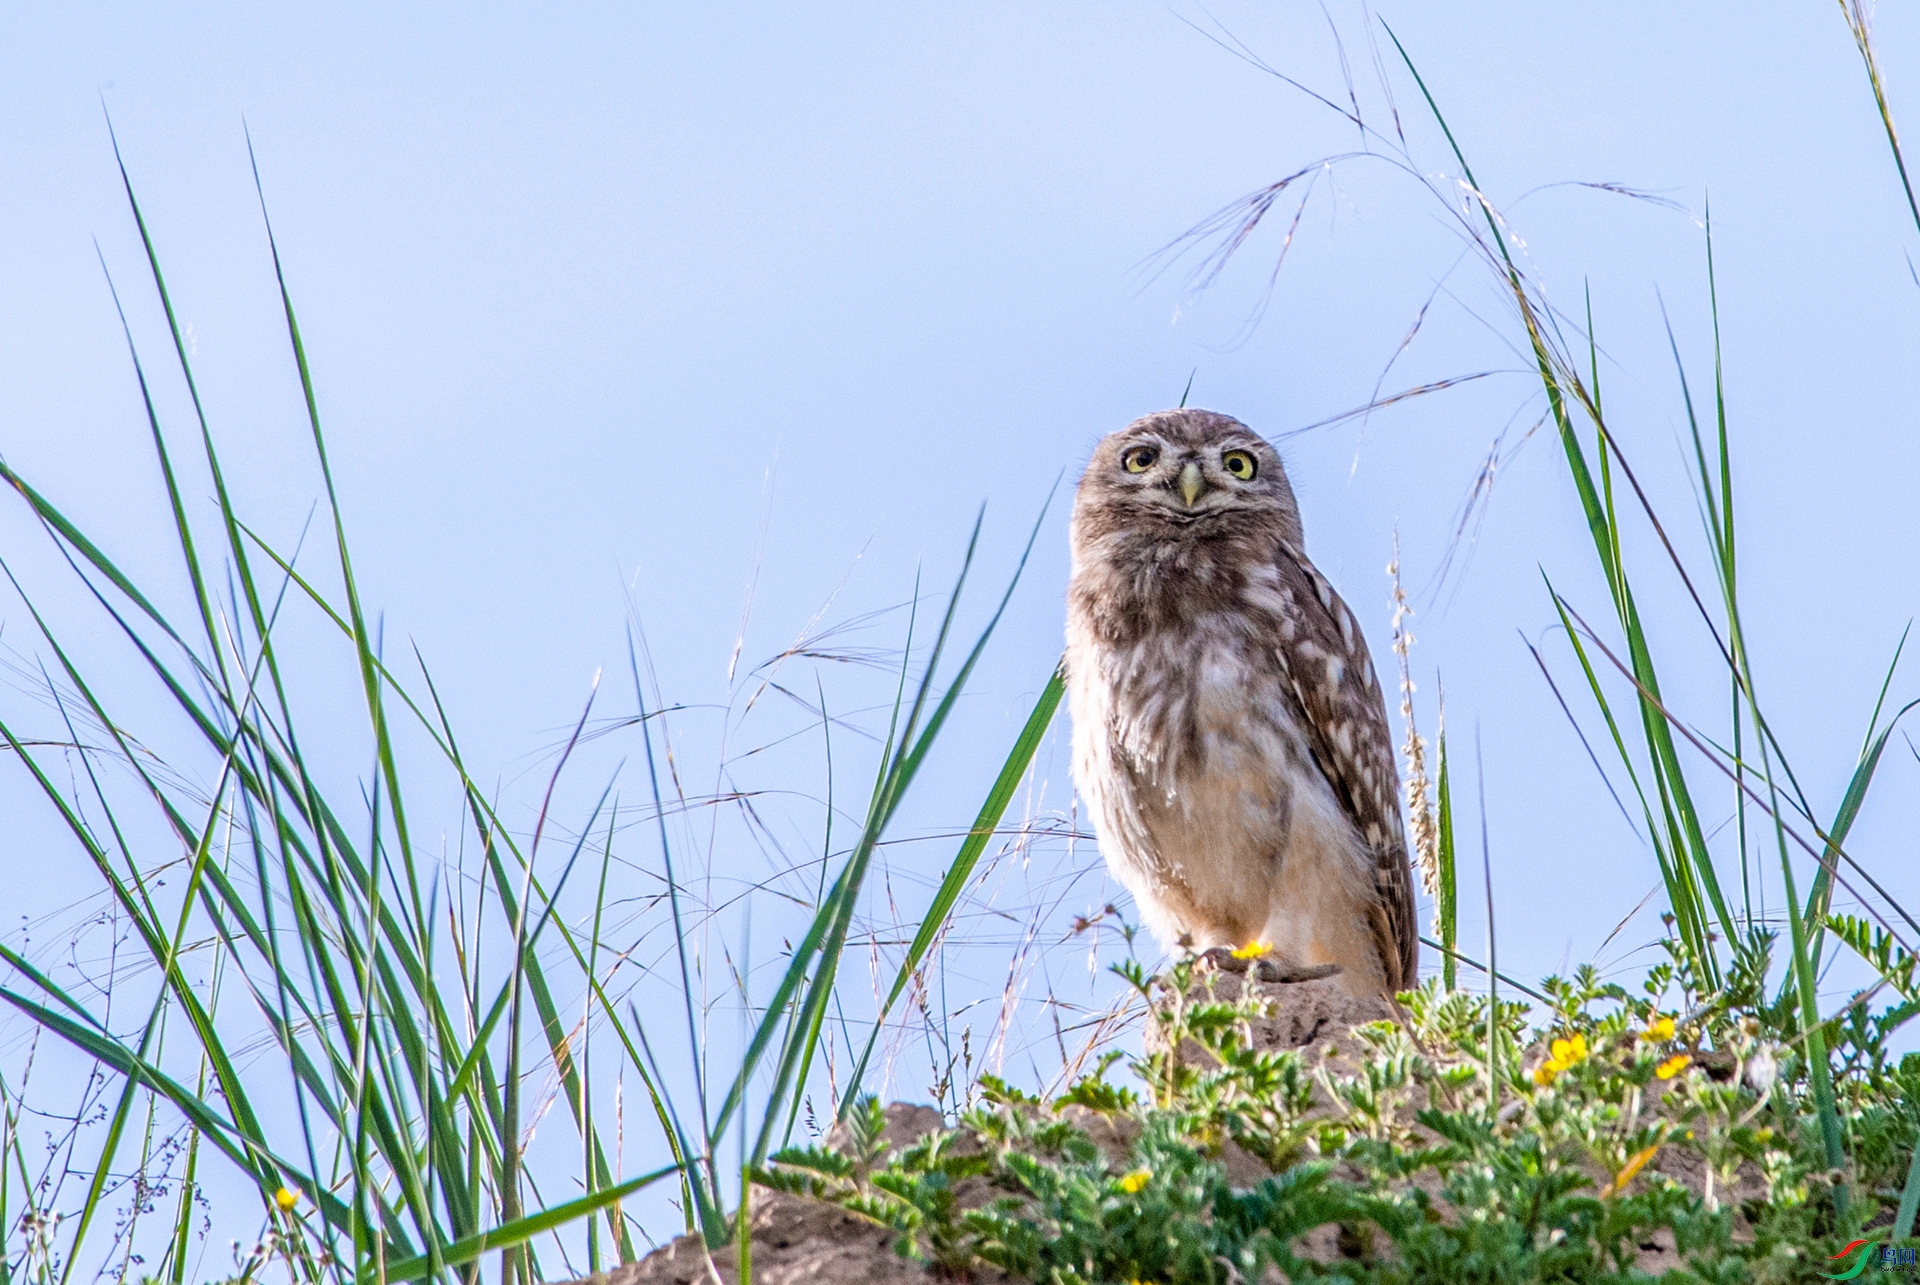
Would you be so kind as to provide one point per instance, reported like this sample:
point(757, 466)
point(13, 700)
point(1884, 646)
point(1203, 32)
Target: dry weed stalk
point(1420, 819)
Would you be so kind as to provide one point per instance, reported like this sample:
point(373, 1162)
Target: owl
point(1229, 734)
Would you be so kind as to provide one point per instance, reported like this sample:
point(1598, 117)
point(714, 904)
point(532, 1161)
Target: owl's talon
point(1280, 972)
point(1225, 959)
point(1269, 967)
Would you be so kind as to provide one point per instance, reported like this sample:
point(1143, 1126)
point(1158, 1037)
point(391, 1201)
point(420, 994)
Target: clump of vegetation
point(368, 1027)
point(1672, 1129)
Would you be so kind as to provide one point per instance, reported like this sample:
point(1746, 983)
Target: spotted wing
point(1332, 676)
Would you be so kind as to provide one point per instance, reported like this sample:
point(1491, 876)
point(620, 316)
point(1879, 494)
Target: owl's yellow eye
point(1241, 464)
point(1140, 458)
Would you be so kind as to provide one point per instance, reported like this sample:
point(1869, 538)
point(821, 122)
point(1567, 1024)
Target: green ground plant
point(1467, 1146)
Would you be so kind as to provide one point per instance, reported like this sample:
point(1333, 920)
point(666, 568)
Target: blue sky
point(622, 308)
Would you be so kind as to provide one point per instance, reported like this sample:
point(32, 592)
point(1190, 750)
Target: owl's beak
point(1191, 483)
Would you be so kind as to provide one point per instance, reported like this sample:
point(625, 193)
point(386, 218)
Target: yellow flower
point(1562, 1054)
point(1569, 1051)
point(1133, 1182)
point(1673, 1066)
point(1660, 1029)
point(1253, 950)
point(286, 1198)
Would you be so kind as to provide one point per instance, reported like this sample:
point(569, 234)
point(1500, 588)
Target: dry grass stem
point(1420, 818)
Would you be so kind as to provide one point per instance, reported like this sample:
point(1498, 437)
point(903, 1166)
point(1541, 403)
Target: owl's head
point(1186, 473)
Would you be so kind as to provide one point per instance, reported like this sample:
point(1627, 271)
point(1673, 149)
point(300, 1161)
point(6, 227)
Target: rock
point(794, 1241)
point(907, 1123)
point(1113, 1134)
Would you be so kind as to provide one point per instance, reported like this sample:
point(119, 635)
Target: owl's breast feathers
point(1178, 632)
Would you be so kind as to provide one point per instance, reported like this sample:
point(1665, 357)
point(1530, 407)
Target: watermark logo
point(1887, 1257)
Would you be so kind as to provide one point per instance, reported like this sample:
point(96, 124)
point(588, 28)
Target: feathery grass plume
point(1420, 819)
point(1859, 19)
point(1432, 831)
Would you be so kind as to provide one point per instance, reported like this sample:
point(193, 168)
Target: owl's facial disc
point(1187, 480)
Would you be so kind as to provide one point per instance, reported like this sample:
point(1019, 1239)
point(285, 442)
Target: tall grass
point(1777, 826)
point(409, 1007)
point(1674, 823)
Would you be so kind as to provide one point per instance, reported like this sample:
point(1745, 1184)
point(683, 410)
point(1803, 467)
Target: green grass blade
point(183, 529)
point(520, 1230)
point(1909, 1200)
point(1821, 895)
point(370, 672)
point(1471, 962)
point(1446, 904)
point(708, 1127)
point(1682, 897)
point(895, 782)
point(1819, 1071)
point(1019, 759)
point(248, 1153)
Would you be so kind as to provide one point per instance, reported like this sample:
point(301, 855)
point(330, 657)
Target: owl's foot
point(1265, 966)
point(1275, 970)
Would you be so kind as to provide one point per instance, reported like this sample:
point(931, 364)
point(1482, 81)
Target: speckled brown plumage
point(1230, 736)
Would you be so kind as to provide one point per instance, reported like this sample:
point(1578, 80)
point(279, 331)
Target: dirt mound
point(796, 1240)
